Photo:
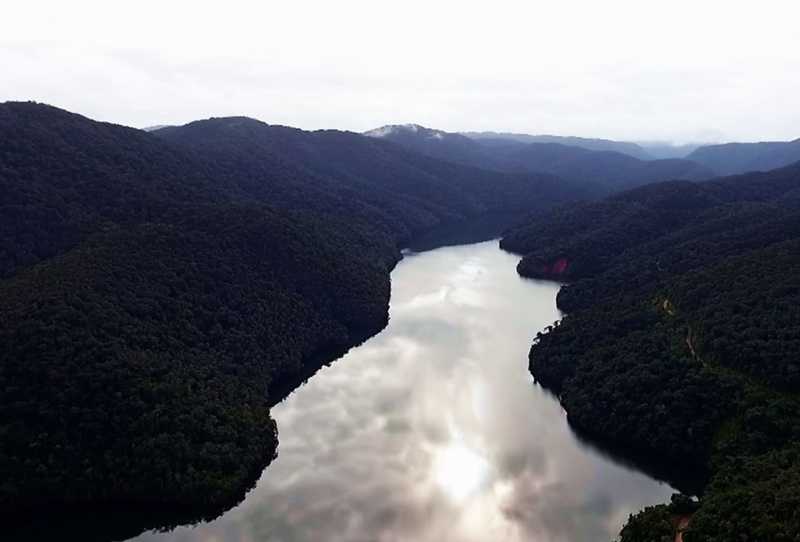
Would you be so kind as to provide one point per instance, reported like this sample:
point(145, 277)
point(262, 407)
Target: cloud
point(624, 69)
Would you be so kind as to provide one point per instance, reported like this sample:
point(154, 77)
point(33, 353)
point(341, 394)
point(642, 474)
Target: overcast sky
point(679, 70)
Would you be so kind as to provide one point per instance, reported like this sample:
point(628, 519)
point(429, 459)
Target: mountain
point(448, 146)
point(590, 235)
point(606, 170)
point(159, 291)
point(733, 158)
point(680, 340)
point(631, 149)
point(643, 150)
point(611, 170)
point(400, 183)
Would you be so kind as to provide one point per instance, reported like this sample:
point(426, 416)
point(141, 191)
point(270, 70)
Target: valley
point(165, 294)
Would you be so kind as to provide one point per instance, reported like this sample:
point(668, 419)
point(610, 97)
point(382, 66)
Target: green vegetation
point(681, 340)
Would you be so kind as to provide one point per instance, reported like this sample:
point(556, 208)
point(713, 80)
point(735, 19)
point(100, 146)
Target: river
point(434, 430)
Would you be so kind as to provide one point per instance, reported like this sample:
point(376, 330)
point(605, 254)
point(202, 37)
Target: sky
point(679, 71)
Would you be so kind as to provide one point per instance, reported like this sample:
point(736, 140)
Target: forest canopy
point(681, 340)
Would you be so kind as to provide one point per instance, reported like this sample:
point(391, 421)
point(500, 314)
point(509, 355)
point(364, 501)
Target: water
point(434, 430)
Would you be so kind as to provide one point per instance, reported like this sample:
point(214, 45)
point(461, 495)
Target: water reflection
point(434, 430)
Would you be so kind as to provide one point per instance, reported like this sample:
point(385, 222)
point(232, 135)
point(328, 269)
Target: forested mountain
point(413, 190)
point(643, 150)
point(733, 158)
point(448, 146)
point(681, 339)
point(585, 239)
point(138, 368)
point(612, 170)
point(607, 170)
point(159, 292)
point(592, 144)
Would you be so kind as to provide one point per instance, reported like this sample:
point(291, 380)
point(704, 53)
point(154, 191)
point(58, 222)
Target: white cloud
point(624, 69)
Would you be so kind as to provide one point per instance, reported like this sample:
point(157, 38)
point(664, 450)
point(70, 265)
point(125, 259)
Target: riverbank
point(432, 427)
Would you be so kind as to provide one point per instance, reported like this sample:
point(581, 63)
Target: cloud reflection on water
point(432, 431)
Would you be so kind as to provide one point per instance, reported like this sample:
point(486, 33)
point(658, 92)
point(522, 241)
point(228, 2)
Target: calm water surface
point(434, 430)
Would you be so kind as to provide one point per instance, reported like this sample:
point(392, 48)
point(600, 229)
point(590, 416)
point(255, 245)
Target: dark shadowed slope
point(612, 170)
point(588, 237)
point(151, 305)
point(387, 176)
point(62, 175)
point(733, 158)
point(137, 368)
point(681, 339)
point(592, 144)
point(605, 170)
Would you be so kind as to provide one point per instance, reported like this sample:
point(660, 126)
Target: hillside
point(606, 170)
point(733, 158)
point(680, 340)
point(589, 236)
point(448, 146)
point(160, 292)
point(413, 190)
point(138, 368)
point(611, 170)
point(592, 144)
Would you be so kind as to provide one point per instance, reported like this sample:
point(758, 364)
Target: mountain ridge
point(606, 169)
point(733, 158)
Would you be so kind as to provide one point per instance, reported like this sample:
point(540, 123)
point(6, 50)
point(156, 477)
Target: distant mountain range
point(546, 153)
point(733, 158)
point(608, 169)
point(643, 150)
point(631, 149)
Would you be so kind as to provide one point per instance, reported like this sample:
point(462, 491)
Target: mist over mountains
point(523, 152)
point(609, 169)
point(631, 149)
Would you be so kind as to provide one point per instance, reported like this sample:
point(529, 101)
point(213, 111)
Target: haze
point(678, 71)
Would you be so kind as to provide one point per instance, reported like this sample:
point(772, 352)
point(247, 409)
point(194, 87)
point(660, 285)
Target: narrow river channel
point(434, 430)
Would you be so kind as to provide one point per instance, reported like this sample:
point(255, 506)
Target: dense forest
point(159, 291)
point(681, 340)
